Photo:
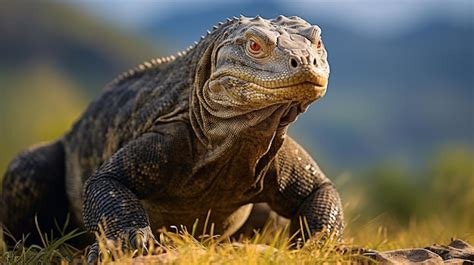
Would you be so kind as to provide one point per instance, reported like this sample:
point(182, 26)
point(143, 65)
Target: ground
point(268, 247)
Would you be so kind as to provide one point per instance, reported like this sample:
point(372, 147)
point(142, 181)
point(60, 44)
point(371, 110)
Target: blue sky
point(364, 16)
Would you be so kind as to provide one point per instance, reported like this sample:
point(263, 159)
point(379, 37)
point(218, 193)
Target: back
point(126, 109)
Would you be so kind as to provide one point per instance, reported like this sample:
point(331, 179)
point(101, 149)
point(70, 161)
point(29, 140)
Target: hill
point(54, 58)
point(391, 97)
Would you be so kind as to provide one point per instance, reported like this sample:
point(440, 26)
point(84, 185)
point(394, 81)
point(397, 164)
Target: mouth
point(309, 85)
point(305, 89)
point(307, 79)
point(304, 79)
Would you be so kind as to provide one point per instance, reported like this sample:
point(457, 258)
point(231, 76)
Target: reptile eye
point(255, 49)
point(319, 44)
point(254, 46)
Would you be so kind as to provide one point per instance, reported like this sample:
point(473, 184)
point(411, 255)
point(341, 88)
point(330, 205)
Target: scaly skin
point(206, 130)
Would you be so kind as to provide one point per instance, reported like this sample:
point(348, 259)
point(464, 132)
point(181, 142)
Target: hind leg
point(33, 185)
point(260, 216)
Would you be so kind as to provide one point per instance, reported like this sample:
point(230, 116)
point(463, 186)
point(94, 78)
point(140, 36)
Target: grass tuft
point(51, 251)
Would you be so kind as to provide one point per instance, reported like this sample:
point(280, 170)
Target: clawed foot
point(139, 241)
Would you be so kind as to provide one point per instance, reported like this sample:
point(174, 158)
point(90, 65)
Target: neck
point(226, 128)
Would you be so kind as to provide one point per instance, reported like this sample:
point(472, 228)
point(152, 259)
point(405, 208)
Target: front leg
point(298, 189)
point(110, 205)
point(112, 195)
point(323, 212)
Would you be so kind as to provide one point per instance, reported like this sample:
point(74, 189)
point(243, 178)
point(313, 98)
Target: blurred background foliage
point(395, 130)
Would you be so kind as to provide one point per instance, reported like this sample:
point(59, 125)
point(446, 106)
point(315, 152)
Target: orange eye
point(254, 47)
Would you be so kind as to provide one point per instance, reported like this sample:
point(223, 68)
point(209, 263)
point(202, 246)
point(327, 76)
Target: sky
point(364, 16)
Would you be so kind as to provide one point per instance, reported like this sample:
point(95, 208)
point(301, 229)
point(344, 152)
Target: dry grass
point(267, 247)
point(182, 247)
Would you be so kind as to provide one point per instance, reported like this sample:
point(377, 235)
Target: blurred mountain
point(393, 97)
point(82, 47)
point(54, 58)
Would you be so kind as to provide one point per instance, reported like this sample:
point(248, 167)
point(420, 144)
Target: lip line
point(306, 82)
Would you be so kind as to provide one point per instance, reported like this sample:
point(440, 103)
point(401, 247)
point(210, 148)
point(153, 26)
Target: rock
point(457, 252)
point(258, 248)
point(165, 258)
point(457, 262)
point(408, 256)
point(457, 249)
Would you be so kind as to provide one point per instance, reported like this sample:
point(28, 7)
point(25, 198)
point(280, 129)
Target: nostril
point(315, 62)
point(293, 63)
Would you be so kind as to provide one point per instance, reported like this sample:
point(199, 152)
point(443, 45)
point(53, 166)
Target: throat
point(226, 132)
point(291, 114)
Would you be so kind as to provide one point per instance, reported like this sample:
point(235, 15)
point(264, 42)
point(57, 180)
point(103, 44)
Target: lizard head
point(258, 63)
point(254, 71)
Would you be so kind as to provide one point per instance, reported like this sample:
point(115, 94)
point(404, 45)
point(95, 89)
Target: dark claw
point(140, 240)
point(144, 248)
point(93, 254)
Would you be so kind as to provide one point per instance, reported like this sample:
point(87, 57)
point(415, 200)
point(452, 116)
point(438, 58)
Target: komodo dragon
point(176, 137)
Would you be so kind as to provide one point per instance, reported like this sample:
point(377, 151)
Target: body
point(182, 137)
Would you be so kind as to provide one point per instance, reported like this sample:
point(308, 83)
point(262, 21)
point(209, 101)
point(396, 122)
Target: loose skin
point(177, 137)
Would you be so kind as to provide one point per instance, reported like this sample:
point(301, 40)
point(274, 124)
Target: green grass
point(52, 249)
